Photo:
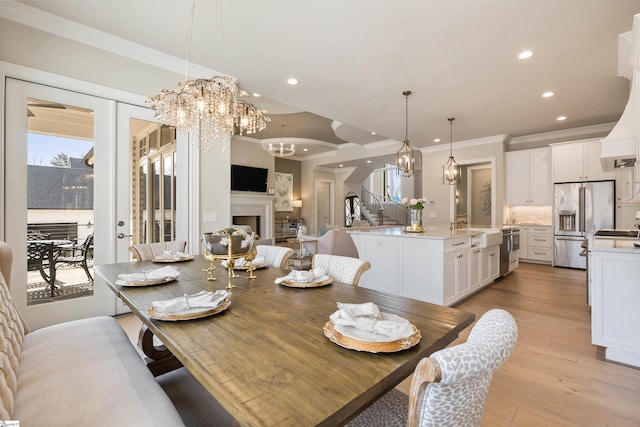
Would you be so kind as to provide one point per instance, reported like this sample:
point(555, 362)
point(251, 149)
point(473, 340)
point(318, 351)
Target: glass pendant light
point(451, 169)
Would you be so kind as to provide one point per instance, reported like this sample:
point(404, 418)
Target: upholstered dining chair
point(147, 251)
point(276, 256)
point(342, 268)
point(449, 388)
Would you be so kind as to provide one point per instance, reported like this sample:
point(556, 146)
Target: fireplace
point(256, 211)
point(252, 221)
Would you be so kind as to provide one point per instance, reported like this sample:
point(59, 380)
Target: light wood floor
point(553, 377)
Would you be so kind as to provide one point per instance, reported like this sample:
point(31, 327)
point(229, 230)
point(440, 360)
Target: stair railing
point(372, 202)
point(386, 206)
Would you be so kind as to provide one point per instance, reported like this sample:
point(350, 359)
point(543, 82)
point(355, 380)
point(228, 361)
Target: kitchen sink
point(489, 236)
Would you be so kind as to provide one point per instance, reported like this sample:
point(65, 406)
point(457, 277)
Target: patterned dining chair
point(342, 268)
point(449, 388)
point(276, 256)
point(148, 251)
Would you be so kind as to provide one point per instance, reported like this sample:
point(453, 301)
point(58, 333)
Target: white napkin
point(240, 261)
point(302, 276)
point(173, 255)
point(160, 273)
point(367, 318)
point(202, 299)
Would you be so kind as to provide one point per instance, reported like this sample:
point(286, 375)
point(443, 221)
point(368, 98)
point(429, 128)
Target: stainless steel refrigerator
point(581, 209)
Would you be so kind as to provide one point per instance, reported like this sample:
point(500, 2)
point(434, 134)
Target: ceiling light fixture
point(561, 118)
point(209, 110)
point(280, 150)
point(450, 169)
point(525, 54)
point(292, 81)
point(406, 156)
point(548, 94)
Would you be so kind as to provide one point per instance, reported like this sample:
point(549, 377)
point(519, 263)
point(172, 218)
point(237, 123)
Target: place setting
point(172, 256)
point(147, 278)
point(190, 307)
point(244, 264)
point(363, 327)
point(305, 279)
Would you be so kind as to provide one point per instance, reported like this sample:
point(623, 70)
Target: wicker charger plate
point(184, 258)
point(371, 347)
point(190, 315)
point(146, 282)
point(316, 284)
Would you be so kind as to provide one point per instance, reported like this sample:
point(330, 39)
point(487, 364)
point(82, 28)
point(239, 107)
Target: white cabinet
point(614, 304)
point(490, 264)
point(524, 242)
point(627, 189)
point(528, 177)
point(456, 266)
point(536, 243)
point(578, 161)
point(475, 268)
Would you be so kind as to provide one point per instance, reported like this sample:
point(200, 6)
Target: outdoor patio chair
point(78, 256)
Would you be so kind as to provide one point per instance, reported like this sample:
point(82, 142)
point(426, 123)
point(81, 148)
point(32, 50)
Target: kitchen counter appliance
point(509, 250)
point(580, 209)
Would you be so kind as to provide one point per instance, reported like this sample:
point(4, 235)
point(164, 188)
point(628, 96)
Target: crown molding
point(465, 144)
point(44, 21)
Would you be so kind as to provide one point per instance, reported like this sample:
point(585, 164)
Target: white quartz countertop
point(615, 245)
point(434, 233)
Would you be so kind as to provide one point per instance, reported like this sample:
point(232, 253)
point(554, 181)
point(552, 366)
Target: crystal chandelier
point(451, 169)
point(280, 150)
point(406, 156)
point(209, 110)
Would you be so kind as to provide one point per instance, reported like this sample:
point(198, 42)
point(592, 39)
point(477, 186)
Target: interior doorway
point(324, 204)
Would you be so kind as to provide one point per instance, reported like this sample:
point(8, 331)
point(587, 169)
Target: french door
point(48, 202)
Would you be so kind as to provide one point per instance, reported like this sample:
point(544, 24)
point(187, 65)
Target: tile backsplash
point(529, 215)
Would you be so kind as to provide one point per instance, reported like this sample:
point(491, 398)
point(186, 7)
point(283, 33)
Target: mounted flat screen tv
point(247, 178)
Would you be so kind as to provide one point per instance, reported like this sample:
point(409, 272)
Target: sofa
point(80, 373)
point(336, 241)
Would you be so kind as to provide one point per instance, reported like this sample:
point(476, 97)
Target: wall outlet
point(209, 217)
point(433, 214)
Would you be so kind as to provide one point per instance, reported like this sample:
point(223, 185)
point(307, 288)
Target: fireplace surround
point(253, 205)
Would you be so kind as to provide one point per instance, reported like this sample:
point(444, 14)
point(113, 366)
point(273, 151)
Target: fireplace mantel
point(262, 206)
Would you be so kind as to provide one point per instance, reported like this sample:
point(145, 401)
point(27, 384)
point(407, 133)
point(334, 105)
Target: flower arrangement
point(417, 204)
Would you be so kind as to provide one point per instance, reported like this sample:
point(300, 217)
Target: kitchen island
point(439, 266)
point(614, 273)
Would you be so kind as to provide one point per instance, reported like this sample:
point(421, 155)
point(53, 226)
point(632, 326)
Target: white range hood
point(619, 149)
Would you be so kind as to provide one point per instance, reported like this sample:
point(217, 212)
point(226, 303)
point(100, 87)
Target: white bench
point(80, 373)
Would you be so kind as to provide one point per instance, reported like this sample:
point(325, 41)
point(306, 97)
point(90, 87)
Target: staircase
point(379, 210)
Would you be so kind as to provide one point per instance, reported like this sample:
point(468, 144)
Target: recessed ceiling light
point(368, 161)
point(305, 149)
point(373, 133)
point(436, 140)
point(292, 81)
point(548, 94)
point(561, 118)
point(341, 165)
point(257, 95)
point(525, 54)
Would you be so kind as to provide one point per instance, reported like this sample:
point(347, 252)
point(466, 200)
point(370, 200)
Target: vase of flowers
point(415, 207)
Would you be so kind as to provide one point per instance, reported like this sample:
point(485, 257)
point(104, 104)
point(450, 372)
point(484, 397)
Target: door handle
point(122, 235)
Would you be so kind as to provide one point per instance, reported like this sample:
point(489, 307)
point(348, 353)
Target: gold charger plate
point(189, 315)
point(324, 282)
point(184, 258)
point(371, 347)
point(146, 282)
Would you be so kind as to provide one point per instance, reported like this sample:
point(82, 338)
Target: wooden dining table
point(266, 360)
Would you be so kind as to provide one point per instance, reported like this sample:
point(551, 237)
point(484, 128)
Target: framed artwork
point(284, 192)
